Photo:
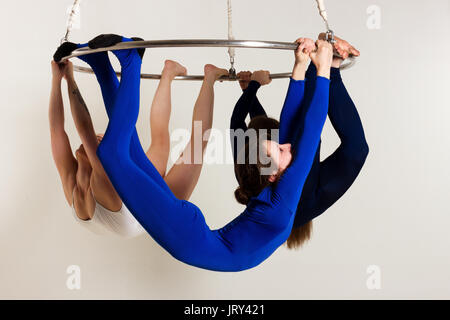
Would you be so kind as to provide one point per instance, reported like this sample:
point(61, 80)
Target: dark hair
point(251, 182)
point(299, 236)
point(249, 177)
point(264, 122)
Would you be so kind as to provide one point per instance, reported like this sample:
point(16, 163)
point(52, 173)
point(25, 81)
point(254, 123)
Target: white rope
point(74, 14)
point(324, 15)
point(231, 51)
point(323, 12)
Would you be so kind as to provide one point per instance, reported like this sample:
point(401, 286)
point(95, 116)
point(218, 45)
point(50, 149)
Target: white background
point(395, 216)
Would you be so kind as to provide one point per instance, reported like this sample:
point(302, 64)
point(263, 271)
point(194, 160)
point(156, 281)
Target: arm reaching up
point(294, 96)
point(65, 162)
point(82, 119)
point(291, 183)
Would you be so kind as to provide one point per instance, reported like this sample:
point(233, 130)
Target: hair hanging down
point(251, 182)
point(299, 236)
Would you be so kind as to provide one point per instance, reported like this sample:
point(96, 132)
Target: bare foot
point(214, 73)
point(173, 69)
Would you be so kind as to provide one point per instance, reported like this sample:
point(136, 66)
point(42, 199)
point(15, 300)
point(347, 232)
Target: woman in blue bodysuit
point(178, 225)
point(329, 179)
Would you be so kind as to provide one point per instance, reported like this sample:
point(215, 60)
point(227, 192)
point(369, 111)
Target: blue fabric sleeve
point(291, 107)
point(290, 185)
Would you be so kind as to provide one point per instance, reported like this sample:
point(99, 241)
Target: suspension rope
point(324, 15)
point(231, 43)
point(231, 51)
point(74, 13)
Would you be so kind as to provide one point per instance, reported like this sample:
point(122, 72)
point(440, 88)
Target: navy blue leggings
point(328, 180)
point(178, 225)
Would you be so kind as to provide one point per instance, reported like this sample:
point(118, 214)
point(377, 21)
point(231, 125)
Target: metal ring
point(351, 60)
point(192, 43)
point(191, 77)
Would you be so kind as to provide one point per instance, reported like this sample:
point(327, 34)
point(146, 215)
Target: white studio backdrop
point(393, 222)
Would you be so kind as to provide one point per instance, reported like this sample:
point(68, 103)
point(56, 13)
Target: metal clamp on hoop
point(329, 36)
point(232, 72)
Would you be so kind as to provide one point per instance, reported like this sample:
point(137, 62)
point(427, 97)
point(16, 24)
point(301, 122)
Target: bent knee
point(360, 153)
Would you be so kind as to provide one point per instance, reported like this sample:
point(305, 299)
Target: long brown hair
point(251, 182)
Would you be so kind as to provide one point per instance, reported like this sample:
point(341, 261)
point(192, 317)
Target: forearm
point(80, 112)
point(315, 116)
point(84, 125)
point(305, 146)
point(56, 107)
point(291, 108)
point(256, 109)
point(292, 103)
point(60, 144)
point(299, 70)
point(243, 105)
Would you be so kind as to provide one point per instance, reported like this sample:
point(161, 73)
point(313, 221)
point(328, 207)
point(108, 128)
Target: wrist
point(209, 81)
point(324, 70)
point(300, 63)
point(324, 73)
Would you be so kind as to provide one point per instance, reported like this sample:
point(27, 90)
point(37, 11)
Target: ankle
point(167, 75)
point(209, 80)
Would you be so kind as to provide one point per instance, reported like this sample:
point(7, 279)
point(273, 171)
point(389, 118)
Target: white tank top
point(104, 222)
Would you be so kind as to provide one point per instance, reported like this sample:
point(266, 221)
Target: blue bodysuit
point(329, 179)
point(178, 225)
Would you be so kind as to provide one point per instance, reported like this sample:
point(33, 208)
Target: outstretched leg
point(177, 225)
point(333, 177)
point(109, 85)
point(106, 77)
point(114, 150)
point(184, 175)
point(158, 153)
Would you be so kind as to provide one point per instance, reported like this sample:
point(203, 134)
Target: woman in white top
point(87, 188)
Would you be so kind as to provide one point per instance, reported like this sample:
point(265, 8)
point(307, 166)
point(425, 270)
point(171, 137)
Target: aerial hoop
point(191, 77)
point(194, 43)
point(231, 44)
